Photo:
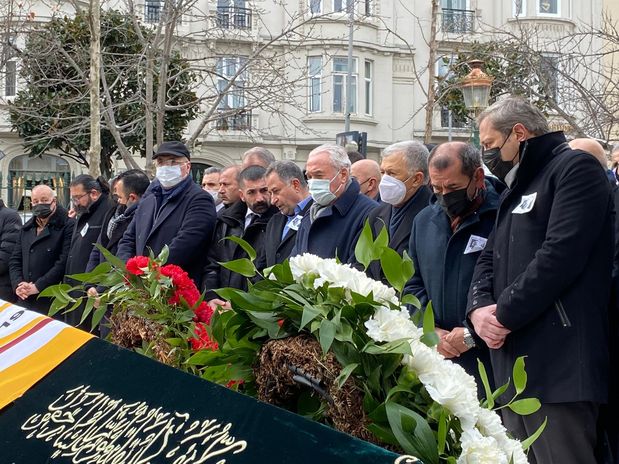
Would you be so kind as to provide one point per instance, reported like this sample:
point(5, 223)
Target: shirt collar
point(302, 204)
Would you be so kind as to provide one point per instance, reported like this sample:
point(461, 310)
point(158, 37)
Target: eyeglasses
point(169, 163)
point(78, 197)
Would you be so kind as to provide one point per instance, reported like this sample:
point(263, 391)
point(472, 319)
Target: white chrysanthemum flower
point(477, 449)
point(388, 325)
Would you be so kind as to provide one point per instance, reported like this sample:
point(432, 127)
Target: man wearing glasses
point(175, 212)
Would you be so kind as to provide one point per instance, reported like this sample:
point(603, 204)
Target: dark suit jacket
point(41, 258)
point(381, 216)
point(275, 249)
point(184, 221)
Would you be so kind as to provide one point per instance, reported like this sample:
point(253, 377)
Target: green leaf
point(244, 245)
point(327, 334)
point(98, 315)
point(309, 314)
point(397, 346)
point(162, 258)
point(525, 406)
point(441, 434)
point(411, 299)
point(54, 291)
point(341, 379)
point(384, 434)
point(364, 248)
point(499, 391)
point(241, 266)
point(526, 444)
point(412, 432)
point(391, 264)
point(115, 261)
point(520, 375)
point(428, 319)
point(408, 267)
point(484, 380)
point(430, 339)
point(90, 303)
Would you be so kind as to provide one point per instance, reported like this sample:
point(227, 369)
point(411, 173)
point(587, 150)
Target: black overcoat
point(10, 225)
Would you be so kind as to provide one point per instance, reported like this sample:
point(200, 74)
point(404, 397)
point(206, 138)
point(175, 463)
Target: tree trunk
point(148, 111)
point(95, 100)
point(427, 137)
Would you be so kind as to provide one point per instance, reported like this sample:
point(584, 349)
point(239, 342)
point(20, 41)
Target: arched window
point(25, 172)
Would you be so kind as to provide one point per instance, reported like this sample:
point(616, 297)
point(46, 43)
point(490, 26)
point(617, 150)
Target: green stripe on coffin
point(105, 404)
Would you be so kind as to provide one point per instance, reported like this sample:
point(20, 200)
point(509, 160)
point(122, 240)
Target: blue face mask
point(169, 176)
point(320, 190)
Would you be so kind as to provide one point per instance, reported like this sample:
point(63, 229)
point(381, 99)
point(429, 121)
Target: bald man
point(594, 148)
point(367, 173)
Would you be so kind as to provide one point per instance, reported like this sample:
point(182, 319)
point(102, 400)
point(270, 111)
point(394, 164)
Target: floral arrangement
point(412, 398)
point(152, 307)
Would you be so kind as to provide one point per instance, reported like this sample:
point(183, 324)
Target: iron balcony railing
point(152, 12)
point(458, 21)
point(456, 122)
point(233, 17)
point(241, 121)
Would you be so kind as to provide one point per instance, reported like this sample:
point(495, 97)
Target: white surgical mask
point(215, 195)
point(169, 176)
point(392, 190)
point(320, 190)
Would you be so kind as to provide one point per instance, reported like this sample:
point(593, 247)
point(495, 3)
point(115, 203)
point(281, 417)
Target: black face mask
point(492, 159)
point(455, 203)
point(42, 210)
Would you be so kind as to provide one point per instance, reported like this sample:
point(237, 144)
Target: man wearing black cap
point(175, 212)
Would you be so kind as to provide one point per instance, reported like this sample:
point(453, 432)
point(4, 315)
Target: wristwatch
point(469, 341)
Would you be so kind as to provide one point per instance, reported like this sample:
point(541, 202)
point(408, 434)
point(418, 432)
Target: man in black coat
point(10, 225)
point(403, 192)
point(40, 254)
point(289, 193)
point(246, 219)
point(446, 239)
point(175, 212)
point(129, 188)
point(541, 286)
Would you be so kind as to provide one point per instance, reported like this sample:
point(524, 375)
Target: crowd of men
point(514, 247)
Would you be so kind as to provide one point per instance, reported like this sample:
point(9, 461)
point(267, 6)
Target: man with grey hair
point(404, 169)
point(257, 156)
point(541, 286)
point(289, 193)
point(336, 218)
point(446, 239)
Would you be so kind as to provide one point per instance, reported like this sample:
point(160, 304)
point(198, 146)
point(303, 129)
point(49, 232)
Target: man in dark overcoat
point(10, 225)
point(40, 254)
point(541, 286)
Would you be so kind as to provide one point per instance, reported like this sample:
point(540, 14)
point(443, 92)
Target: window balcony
point(456, 123)
point(152, 12)
point(241, 121)
point(458, 21)
point(233, 17)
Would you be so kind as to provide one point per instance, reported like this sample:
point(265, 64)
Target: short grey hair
point(469, 155)
point(337, 155)
point(265, 155)
point(212, 170)
point(415, 153)
point(506, 113)
point(287, 171)
point(41, 186)
point(251, 173)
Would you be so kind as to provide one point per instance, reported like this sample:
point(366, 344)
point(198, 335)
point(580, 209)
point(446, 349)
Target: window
point(315, 83)
point(548, 7)
point(520, 7)
point(448, 119)
point(315, 6)
point(152, 11)
point(340, 85)
point(10, 79)
point(234, 97)
point(339, 5)
point(368, 74)
point(367, 5)
point(456, 17)
point(549, 74)
point(232, 14)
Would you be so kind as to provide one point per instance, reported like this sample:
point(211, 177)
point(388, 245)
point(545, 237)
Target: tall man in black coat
point(403, 193)
point(541, 286)
point(40, 254)
point(246, 219)
point(10, 225)
point(289, 193)
point(175, 212)
point(446, 239)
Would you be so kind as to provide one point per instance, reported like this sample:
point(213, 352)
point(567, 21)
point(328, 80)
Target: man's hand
point(488, 327)
point(456, 339)
point(215, 302)
point(21, 290)
point(93, 293)
point(444, 346)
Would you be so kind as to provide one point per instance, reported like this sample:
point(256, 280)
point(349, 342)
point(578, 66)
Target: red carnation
point(136, 264)
point(180, 278)
point(203, 313)
point(232, 383)
point(203, 342)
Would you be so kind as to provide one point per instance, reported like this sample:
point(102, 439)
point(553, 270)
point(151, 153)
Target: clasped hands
point(451, 343)
point(489, 329)
point(25, 289)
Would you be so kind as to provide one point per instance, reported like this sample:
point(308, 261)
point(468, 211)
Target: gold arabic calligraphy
point(91, 427)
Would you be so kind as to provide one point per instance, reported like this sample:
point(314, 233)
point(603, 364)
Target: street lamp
point(475, 88)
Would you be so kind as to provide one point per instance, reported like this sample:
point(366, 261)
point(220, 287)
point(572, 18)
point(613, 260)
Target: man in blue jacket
point(175, 212)
point(338, 213)
point(446, 239)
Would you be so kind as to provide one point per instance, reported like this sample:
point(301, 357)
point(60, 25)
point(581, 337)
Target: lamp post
point(475, 88)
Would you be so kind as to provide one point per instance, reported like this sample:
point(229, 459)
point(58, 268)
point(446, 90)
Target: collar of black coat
point(157, 189)
point(537, 152)
point(234, 214)
point(56, 221)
